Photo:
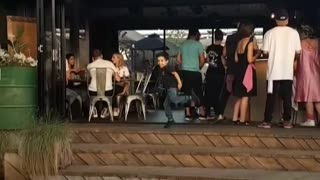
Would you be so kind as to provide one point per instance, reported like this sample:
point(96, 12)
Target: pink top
point(308, 72)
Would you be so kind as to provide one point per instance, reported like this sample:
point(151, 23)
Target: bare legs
point(310, 106)
point(125, 90)
point(241, 107)
point(236, 110)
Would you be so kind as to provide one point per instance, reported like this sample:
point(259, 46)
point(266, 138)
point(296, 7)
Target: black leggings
point(214, 92)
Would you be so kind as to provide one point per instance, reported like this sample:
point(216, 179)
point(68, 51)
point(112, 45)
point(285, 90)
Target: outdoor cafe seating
point(139, 94)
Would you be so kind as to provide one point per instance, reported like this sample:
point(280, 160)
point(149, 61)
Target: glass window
point(140, 47)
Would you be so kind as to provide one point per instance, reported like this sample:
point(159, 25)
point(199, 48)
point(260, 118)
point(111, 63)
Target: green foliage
point(8, 142)
point(16, 43)
point(176, 36)
point(15, 55)
point(3, 141)
point(43, 148)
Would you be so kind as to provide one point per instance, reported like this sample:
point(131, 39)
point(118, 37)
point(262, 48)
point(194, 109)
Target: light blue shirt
point(190, 51)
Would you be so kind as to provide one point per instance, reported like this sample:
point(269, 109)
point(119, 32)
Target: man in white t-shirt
point(99, 62)
point(282, 44)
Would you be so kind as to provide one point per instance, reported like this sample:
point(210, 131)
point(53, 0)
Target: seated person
point(122, 88)
point(99, 62)
point(172, 83)
point(71, 95)
point(71, 69)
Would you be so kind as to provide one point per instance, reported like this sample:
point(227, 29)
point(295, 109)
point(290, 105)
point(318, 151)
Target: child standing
point(172, 83)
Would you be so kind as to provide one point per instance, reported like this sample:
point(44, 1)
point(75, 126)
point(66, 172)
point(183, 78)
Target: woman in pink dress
point(308, 75)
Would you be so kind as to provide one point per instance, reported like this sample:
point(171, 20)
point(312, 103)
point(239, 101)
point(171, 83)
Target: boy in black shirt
point(172, 83)
point(215, 77)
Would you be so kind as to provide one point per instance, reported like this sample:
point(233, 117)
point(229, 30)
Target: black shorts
point(192, 82)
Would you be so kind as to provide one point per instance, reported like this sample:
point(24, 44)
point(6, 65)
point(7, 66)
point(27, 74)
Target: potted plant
point(18, 84)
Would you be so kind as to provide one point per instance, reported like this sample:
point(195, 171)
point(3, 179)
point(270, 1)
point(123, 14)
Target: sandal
point(236, 122)
point(246, 123)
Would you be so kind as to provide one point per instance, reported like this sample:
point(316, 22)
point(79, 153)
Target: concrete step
point(197, 135)
point(195, 156)
point(164, 173)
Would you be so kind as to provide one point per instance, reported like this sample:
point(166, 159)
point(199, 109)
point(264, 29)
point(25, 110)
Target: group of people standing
point(231, 70)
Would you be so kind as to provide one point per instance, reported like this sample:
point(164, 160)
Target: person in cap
point(282, 45)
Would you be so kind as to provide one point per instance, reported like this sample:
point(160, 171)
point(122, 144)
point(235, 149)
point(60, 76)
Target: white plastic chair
point(153, 96)
point(139, 96)
point(101, 76)
point(155, 99)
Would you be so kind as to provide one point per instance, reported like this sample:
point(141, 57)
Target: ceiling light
point(272, 16)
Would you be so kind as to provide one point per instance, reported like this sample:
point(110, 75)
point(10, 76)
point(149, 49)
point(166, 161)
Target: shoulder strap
point(246, 48)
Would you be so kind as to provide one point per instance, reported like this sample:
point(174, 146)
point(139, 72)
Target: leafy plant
point(15, 56)
point(45, 148)
point(16, 42)
point(8, 142)
point(176, 36)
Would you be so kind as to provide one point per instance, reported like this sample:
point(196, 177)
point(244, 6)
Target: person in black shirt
point(229, 57)
point(172, 83)
point(229, 52)
point(215, 77)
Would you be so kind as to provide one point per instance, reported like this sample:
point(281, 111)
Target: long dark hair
point(246, 29)
point(307, 30)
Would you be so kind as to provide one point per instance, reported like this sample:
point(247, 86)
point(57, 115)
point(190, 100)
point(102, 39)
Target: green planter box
point(18, 97)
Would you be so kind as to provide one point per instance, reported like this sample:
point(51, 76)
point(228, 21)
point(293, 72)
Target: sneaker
point(210, 117)
point(220, 117)
point(202, 118)
point(169, 123)
point(287, 125)
point(264, 125)
point(188, 118)
point(308, 123)
point(95, 113)
point(104, 113)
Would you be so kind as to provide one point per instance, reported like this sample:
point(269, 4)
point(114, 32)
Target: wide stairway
point(106, 151)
